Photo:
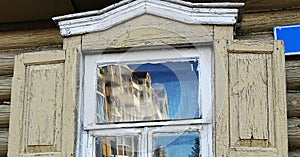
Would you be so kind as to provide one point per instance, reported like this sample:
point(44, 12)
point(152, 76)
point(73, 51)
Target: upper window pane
point(148, 92)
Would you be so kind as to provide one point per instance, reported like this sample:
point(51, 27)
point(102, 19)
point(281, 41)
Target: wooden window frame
point(204, 125)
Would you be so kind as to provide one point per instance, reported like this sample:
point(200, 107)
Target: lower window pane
point(126, 146)
point(176, 145)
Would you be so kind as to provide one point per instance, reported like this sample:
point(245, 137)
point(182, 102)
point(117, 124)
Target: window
point(148, 103)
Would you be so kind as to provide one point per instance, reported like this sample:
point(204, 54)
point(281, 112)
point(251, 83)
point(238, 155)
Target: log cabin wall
point(258, 20)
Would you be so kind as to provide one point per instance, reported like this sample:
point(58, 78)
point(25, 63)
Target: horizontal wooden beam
point(29, 38)
point(293, 104)
point(4, 116)
point(3, 142)
point(27, 25)
point(253, 46)
point(268, 5)
point(265, 21)
point(293, 74)
point(5, 87)
point(294, 133)
point(294, 152)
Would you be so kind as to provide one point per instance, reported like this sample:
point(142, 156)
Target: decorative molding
point(186, 12)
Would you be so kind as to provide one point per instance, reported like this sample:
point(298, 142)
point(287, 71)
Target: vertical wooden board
point(17, 97)
point(223, 33)
point(44, 101)
point(72, 45)
point(280, 99)
point(221, 98)
point(221, 110)
point(271, 115)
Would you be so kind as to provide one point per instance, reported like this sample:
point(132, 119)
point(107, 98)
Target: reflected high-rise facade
point(128, 95)
point(125, 95)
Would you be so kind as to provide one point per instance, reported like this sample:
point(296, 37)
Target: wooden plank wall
point(254, 25)
point(293, 104)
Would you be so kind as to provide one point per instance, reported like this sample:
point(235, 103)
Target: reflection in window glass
point(126, 146)
point(145, 92)
point(176, 145)
point(100, 107)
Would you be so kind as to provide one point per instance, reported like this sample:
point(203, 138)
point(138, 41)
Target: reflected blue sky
point(177, 145)
point(180, 80)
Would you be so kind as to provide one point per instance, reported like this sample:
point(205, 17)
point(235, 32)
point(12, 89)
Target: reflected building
point(125, 95)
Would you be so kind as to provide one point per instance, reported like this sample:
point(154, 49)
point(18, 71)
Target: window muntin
point(148, 91)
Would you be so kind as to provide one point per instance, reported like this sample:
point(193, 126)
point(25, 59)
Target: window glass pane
point(126, 146)
point(176, 145)
point(146, 92)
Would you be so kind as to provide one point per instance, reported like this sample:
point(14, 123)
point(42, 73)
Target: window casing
point(145, 134)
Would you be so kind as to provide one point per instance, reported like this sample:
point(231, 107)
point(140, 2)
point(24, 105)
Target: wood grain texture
point(251, 46)
point(294, 152)
point(249, 108)
point(293, 74)
point(147, 30)
point(265, 21)
point(5, 87)
point(17, 100)
point(72, 46)
point(7, 57)
point(279, 101)
point(221, 112)
point(29, 38)
point(36, 110)
point(294, 133)
point(269, 5)
point(3, 142)
point(4, 115)
point(293, 103)
point(44, 87)
point(257, 108)
point(7, 63)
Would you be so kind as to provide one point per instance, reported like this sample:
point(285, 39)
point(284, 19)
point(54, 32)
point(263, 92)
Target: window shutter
point(38, 116)
point(250, 98)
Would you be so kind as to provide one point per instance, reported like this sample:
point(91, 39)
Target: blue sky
point(180, 80)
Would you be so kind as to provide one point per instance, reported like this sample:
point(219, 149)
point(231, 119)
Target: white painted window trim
point(190, 13)
point(204, 125)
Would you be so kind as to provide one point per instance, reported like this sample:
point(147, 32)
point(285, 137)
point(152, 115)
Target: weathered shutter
point(250, 99)
point(39, 118)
